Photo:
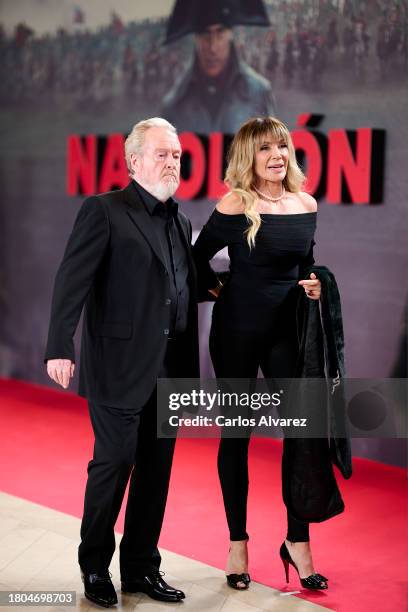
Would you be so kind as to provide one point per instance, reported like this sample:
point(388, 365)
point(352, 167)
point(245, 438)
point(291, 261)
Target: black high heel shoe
point(233, 579)
point(314, 581)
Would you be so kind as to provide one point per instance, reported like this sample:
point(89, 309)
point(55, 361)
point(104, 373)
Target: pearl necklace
point(268, 197)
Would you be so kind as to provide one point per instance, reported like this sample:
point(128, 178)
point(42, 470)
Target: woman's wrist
point(216, 290)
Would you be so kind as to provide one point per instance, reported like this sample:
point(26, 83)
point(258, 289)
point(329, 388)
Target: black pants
point(126, 445)
point(239, 355)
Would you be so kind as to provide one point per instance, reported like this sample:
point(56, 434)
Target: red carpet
point(46, 443)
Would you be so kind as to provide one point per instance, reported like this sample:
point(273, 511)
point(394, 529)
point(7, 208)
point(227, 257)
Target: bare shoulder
point(308, 201)
point(230, 204)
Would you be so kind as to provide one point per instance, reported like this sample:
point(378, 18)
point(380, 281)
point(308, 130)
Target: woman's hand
point(313, 287)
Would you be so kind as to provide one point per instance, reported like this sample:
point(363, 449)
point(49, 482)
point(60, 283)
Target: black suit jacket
point(114, 266)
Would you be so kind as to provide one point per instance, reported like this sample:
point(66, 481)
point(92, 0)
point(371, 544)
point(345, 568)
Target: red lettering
point(193, 147)
point(345, 166)
point(310, 120)
point(114, 172)
point(303, 119)
point(348, 177)
point(81, 165)
point(216, 186)
point(308, 143)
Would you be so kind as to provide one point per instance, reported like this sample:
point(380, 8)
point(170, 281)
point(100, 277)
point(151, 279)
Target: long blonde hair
point(240, 174)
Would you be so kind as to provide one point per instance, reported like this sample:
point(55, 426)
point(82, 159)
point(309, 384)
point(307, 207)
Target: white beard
point(162, 191)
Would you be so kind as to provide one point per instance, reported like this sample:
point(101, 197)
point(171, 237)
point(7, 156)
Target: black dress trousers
point(126, 445)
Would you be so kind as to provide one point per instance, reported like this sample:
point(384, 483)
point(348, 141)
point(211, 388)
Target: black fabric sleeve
point(84, 251)
point(307, 261)
point(211, 239)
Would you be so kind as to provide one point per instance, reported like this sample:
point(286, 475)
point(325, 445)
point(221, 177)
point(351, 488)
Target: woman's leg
point(233, 474)
point(279, 361)
point(298, 531)
point(234, 357)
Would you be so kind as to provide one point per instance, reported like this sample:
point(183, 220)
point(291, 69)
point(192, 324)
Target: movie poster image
point(76, 76)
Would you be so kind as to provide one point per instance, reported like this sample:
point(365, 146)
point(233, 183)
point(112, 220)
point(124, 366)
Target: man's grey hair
point(134, 142)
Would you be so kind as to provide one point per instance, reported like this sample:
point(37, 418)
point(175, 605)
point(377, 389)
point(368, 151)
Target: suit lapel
point(141, 218)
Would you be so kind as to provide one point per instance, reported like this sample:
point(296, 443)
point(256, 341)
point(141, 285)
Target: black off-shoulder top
point(260, 278)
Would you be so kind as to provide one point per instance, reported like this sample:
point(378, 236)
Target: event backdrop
point(77, 75)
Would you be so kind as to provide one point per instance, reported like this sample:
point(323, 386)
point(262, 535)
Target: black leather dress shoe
point(154, 586)
point(99, 589)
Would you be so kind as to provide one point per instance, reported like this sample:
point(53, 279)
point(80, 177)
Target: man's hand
point(61, 371)
point(312, 287)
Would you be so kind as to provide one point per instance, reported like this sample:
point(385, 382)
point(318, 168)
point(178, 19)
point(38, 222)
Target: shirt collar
point(155, 206)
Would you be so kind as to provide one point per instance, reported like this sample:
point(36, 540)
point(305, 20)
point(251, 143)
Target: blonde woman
point(268, 225)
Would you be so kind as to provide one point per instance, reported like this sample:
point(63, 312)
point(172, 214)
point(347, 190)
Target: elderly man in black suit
point(128, 264)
